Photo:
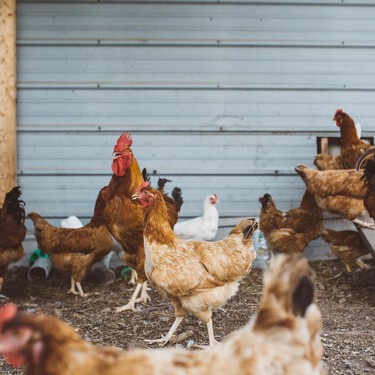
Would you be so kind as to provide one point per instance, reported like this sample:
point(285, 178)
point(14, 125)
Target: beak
point(116, 155)
point(135, 196)
point(217, 201)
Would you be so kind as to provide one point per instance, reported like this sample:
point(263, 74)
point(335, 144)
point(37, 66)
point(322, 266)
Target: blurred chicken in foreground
point(346, 245)
point(290, 232)
point(197, 276)
point(202, 228)
point(12, 230)
point(339, 192)
point(282, 338)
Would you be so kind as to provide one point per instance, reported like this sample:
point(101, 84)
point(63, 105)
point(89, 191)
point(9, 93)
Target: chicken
point(340, 192)
point(124, 218)
point(325, 162)
point(75, 250)
point(100, 270)
point(202, 228)
point(369, 182)
point(283, 338)
point(12, 230)
point(197, 277)
point(351, 146)
point(290, 232)
point(346, 245)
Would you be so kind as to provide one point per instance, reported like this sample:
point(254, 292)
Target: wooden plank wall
point(8, 170)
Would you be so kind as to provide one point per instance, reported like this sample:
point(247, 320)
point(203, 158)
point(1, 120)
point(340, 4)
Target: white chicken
point(202, 228)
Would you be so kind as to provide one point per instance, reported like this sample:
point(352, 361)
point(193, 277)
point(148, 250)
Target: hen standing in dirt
point(290, 232)
point(197, 276)
point(75, 250)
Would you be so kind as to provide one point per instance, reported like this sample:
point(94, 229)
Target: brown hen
point(346, 245)
point(196, 276)
point(75, 250)
point(351, 146)
point(290, 232)
point(339, 192)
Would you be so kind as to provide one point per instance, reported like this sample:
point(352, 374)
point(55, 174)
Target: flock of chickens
point(336, 187)
point(196, 275)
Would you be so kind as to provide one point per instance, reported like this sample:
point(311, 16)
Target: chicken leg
point(170, 333)
point(143, 298)
point(211, 336)
point(79, 290)
point(364, 224)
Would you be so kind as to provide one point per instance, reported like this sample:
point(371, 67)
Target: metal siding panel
point(60, 196)
point(170, 153)
point(197, 23)
point(199, 110)
point(197, 67)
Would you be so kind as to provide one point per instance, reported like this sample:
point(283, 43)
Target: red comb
point(143, 185)
point(7, 312)
point(125, 140)
point(339, 111)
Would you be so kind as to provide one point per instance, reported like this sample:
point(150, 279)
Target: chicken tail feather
point(177, 196)
point(288, 292)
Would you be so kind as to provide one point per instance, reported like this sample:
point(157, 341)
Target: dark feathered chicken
point(12, 230)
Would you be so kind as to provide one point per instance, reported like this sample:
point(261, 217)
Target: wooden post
point(8, 151)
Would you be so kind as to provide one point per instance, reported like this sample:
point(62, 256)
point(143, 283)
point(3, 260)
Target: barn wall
point(222, 97)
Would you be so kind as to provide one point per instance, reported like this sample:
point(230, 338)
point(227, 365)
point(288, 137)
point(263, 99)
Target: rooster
point(197, 276)
point(351, 146)
point(124, 218)
point(12, 230)
point(75, 250)
point(202, 228)
point(346, 245)
point(339, 192)
point(290, 232)
point(283, 338)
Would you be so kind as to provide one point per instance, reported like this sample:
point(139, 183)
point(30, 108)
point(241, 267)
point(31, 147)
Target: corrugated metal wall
point(222, 97)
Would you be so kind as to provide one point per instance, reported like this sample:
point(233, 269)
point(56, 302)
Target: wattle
point(14, 359)
point(118, 167)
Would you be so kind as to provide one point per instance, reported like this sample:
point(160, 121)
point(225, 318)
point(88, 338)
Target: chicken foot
point(133, 299)
point(170, 333)
point(364, 224)
point(133, 277)
point(144, 298)
point(73, 290)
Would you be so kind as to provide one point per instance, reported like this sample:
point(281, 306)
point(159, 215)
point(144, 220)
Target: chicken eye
point(17, 333)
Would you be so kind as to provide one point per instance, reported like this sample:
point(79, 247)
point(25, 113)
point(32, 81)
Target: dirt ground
point(347, 307)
